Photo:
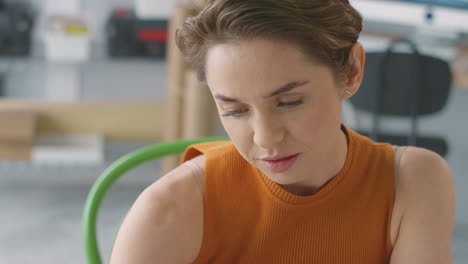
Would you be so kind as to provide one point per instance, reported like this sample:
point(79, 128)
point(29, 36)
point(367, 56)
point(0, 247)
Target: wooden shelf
point(115, 120)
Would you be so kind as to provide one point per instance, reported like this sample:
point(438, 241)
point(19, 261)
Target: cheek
point(318, 118)
point(327, 111)
point(238, 131)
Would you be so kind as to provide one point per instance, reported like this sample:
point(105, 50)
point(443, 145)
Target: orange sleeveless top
point(248, 218)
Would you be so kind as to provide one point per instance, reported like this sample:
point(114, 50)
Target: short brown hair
point(325, 29)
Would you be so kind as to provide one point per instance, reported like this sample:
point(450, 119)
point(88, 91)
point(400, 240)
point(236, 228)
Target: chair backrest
point(112, 174)
point(398, 76)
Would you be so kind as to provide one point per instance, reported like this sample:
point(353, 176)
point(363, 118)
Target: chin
point(283, 178)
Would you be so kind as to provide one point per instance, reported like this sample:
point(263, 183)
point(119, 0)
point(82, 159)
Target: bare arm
point(427, 224)
point(165, 223)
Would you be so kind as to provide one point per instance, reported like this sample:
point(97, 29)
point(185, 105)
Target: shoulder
point(426, 191)
point(165, 224)
point(181, 180)
point(421, 170)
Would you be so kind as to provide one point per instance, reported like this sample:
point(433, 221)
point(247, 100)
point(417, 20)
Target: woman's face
point(272, 102)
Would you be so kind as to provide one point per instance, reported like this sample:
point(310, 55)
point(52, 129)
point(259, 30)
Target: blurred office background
point(84, 82)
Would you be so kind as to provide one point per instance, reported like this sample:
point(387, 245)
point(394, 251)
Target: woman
point(294, 185)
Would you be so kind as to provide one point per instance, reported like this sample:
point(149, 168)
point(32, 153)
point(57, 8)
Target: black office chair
point(404, 85)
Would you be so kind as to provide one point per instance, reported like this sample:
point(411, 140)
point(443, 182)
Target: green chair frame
point(112, 174)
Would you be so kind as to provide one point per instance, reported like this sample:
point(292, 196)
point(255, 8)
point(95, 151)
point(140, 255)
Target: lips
point(280, 163)
point(278, 157)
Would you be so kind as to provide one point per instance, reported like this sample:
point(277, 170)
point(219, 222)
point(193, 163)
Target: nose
point(267, 132)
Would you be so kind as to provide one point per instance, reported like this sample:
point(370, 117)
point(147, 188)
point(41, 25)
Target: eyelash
point(281, 104)
point(291, 104)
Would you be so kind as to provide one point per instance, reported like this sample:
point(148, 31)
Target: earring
point(350, 93)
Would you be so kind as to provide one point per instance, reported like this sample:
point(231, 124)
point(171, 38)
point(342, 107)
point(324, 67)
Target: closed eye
point(291, 104)
point(235, 112)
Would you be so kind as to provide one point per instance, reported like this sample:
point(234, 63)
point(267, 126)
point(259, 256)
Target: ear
point(357, 59)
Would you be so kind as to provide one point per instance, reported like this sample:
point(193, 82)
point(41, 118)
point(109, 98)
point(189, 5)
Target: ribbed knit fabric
point(248, 218)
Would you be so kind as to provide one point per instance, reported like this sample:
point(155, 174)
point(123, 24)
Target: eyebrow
point(283, 89)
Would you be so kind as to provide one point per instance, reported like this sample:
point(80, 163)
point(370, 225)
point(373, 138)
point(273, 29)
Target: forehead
point(258, 66)
point(258, 55)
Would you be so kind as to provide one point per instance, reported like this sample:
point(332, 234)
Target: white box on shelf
point(61, 47)
point(67, 39)
point(78, 148)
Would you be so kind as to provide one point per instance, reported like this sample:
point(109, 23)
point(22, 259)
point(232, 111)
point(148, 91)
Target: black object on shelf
point(129, 36)
point(16, 25)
